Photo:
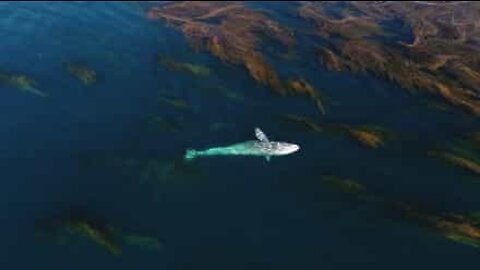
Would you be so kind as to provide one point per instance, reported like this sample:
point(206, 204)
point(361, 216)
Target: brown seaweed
point(302, 87)
point(368, 136)
point(64, 228)
point(233, 33)
point(349, 26)
point(69, 225)
point(461, 228)
point(455, 227)
point(463, 152)
point(443, 59)
point(190, 68)
point(464, 162)
point(229, 31)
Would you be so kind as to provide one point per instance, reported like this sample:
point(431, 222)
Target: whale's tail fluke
point(190, 154)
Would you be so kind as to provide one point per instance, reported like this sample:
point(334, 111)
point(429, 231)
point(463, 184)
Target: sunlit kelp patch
point(229, 31)
point(171, 64)
point(83, 73)
point(67, 228)
point(234, 33)
point(21, 82)
point(443, 58)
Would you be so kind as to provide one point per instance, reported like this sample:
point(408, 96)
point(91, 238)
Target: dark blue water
point(63, 152)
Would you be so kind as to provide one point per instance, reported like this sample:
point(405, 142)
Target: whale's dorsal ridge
point(260, 135)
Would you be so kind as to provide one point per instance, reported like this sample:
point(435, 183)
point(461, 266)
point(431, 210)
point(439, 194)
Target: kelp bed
point(233, 33)
point(442, 57)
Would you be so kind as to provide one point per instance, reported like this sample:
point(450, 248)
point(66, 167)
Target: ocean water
point(88, 148)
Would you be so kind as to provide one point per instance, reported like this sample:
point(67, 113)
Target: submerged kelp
point(21, 82)
point(190, 68)
point(73, 224)
point(302, 87)
point(81, 72)
point(367, 135)
point(463, 152)
point(465, 162)
point(99, 237)
point(66, 227)
point(228, 30)
point(232, 95)
point(461, 228)
point(443, 58)
point(233, 39)
point(175, 102)
point(344, 185)
point(455, 227)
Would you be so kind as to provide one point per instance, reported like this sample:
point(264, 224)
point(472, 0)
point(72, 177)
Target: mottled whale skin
point(261, 147)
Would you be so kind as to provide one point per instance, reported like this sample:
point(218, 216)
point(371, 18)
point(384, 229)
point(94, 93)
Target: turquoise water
point(88, 148)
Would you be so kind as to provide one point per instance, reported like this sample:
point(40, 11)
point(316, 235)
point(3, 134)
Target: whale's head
point(284, 148)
